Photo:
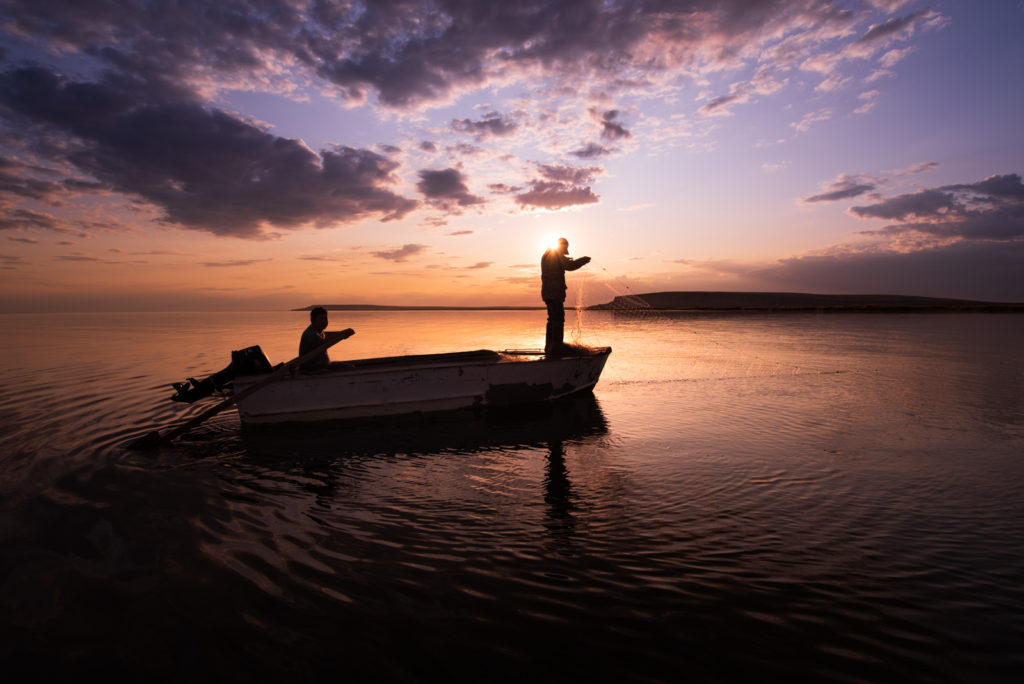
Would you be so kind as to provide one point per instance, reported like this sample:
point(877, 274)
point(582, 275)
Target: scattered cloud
point(590, 150)
point(611, 129)
point(915, 169)
point(233, 263)
point(18, 219)
point(884, 33)
point(402, 253)
point(493, 125)
point(833, 82)
point(844, 187)
point(560, 186)
point(503, 188)
point(870, 99)
point(811, 119)
point(721, 105)
point(446, 189)
point(892, 57)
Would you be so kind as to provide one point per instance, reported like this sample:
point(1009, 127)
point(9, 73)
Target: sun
point(550, 241)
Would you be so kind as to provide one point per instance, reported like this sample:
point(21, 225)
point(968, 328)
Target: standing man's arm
point(573, 264)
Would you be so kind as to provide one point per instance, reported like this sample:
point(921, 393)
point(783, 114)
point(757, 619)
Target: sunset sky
point(221, 154)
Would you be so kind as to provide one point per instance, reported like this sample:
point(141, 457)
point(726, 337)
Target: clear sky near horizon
point(276, 153)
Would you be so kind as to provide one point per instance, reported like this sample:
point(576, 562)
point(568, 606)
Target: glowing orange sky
point(871, 147)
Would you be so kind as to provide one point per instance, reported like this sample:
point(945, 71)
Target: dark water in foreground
point(790, 497)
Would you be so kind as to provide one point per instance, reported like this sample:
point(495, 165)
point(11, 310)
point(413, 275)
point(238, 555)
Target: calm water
point(789, 497)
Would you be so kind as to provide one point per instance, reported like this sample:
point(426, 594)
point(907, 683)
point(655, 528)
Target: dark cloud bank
point(205, 168)
point(965, 240)
point(964, 270)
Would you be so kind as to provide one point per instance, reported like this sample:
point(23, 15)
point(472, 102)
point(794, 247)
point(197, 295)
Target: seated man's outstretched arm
point(339, 334)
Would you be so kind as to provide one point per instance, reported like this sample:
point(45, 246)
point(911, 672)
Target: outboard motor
point(248, 361)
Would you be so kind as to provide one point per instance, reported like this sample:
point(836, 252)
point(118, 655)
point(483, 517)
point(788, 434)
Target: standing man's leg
point(556, 326)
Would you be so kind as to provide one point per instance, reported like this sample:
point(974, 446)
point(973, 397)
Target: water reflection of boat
point(532, 426)
point(425, 383)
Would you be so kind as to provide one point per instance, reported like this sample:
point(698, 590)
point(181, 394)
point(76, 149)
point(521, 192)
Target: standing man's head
point(563, 246)
point(318, 318)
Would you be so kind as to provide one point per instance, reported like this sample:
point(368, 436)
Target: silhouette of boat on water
point(535, 426)
point(398, 385)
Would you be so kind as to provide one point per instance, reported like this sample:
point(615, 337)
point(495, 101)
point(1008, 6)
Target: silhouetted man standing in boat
point(314, 336)
point(553, 266)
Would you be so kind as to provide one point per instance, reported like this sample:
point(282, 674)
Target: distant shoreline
point(379, 307)
point(779, 302)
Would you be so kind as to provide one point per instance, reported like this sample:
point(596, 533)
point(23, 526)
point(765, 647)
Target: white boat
point(412, 384)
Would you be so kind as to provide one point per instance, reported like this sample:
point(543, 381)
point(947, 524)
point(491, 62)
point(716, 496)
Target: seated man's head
point(318, 317)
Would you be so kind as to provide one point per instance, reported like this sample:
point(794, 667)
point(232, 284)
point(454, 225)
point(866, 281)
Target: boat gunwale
point(481, 357)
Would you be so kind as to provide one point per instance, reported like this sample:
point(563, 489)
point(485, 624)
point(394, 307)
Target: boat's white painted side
point(438, 384)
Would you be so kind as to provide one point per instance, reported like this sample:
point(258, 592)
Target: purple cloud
point(922, 204)
point(549, 195)
point(560, 186)
point(611, 129)
point(991, 209)
point(503, 188)
point(561, 173)
point(26, 218)
point(884, 31)
point(493, 125)
point(845, 187)
point(590, 150)
point(446, 188)
point(720, 104)
point(981, 270)
point(206, 169)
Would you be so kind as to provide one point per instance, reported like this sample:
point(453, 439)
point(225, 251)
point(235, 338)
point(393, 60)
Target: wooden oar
point(154, 438)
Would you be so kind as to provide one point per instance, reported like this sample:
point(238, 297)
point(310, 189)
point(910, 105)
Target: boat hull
point(413, 384)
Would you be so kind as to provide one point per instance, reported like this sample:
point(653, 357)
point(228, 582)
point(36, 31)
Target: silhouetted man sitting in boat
point(314, 336)
point(553, 266)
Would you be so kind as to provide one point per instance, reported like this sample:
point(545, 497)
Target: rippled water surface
point(832, 497)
